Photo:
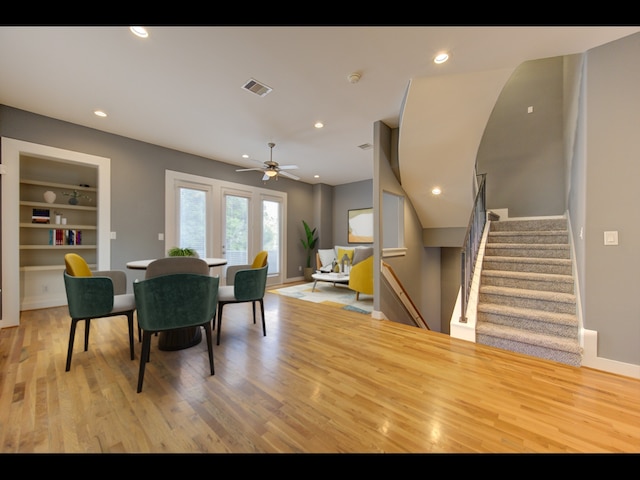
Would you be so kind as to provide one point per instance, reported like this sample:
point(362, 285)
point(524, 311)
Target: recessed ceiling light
point(139, 32)
point(316, 176)
point(436, 191)
point(245, 156)
point(100, 113)
point(319, 125)
point(441, 58)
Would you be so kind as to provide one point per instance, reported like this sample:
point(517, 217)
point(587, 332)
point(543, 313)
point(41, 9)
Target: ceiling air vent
point(365, 146)
point(256, 87)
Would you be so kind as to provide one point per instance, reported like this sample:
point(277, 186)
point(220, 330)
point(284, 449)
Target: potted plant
point(309, 244)
point(182, 252)
point(74, 196)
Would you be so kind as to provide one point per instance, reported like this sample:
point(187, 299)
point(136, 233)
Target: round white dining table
point(182, 337)
point(143, 264)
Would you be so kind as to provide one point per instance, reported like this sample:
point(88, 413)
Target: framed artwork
point(361, 225)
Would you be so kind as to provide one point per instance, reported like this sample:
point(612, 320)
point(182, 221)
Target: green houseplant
point(182, 252)
point(309, 243)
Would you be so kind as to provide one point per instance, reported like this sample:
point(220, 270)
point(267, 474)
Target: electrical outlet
point(299, 268)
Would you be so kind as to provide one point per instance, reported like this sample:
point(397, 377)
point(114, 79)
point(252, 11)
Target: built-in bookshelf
point(49, 230)
point(32, 268)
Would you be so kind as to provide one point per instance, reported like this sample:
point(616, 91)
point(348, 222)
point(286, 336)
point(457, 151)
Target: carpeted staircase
point(526, 300)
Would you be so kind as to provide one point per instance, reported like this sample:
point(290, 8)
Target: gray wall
point(521, 152)
point(610, 197)
point(348, 197)
point(138, 184)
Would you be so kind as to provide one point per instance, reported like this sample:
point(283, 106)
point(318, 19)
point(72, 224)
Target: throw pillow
point(342, 252)
point(361, 253)
point(327, 256)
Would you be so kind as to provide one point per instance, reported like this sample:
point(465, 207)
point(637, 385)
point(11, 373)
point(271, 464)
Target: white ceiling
point(181, 87)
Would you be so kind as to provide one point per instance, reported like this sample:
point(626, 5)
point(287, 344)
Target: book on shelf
point(40, 215)
point(61, 236)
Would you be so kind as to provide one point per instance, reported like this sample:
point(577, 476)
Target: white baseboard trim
point(590, 358)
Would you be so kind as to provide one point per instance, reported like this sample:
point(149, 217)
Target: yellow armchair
point(361, 277)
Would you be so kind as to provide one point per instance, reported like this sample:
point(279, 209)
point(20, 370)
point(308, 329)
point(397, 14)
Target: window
point(223, 219)
point(392, 224)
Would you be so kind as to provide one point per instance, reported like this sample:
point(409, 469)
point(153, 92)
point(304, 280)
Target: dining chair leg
point(253, 305)
point(207, 333)
point(130, 322)
point(264, 326)
point(220, 305)
point(144, 356)
point(72, 335)
point(87, 324)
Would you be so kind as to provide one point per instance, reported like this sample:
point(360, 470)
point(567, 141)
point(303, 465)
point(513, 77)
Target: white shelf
point(58, 247)
point(60, 226)
point(44, 268)
point(60, 206)
point(66, 186)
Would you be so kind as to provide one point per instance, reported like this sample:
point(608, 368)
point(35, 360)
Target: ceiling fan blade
point(290, 175)
point(287, 167)
point(249, 169)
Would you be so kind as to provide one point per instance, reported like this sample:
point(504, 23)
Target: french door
point(247, 220)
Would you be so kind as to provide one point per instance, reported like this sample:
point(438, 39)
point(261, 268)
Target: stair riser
point(529, 251)
point(490, 264)
point(568, 331)
point(530, 303)
point(529, 225)
point(533, 238)
point(568, 358)
point(545, 286)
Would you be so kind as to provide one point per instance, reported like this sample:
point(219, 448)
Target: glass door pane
point(235, 246)
point(271, 234)
point(192, 227)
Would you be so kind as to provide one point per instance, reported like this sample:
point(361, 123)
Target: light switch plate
point(113, 235)
point(611, 238)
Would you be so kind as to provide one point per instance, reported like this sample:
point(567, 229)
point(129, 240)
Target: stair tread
point(531, 338)
point(524, 293)
point(528, 313)
point(554, 261)
point(528, 232)
point(551, 277)
point(540, 246)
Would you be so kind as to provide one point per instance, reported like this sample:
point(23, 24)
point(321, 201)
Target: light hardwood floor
point(322, 380)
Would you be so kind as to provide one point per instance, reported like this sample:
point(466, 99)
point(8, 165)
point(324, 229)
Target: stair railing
point(471, 245)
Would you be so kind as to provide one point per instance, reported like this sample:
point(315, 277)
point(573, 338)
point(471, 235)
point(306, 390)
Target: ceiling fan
point(273, 169)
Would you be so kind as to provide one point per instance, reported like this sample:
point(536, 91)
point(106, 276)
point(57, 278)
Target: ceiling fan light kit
point(272, 169)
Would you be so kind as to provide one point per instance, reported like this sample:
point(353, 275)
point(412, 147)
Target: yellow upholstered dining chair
point(173, 302)
point(245, 283)
point(95, 295)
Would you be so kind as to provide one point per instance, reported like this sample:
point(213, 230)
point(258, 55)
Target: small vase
point(73, 201)
point(49, 196)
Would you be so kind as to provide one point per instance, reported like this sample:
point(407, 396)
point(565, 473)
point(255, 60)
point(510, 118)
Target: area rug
point(326, 293)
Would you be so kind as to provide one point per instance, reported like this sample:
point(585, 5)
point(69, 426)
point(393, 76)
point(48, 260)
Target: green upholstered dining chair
point(260, 260)
point(92, 295)
point(175, 301)
point(175, 340)
point(248, 286)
